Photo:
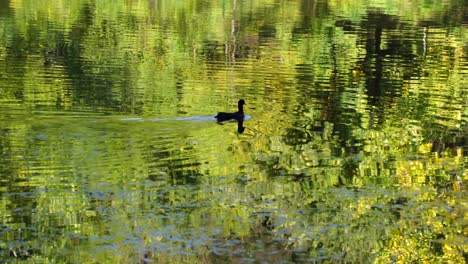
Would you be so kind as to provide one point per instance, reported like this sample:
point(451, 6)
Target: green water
point(354, 149)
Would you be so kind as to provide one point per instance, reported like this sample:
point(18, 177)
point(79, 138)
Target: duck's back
point(222, 116)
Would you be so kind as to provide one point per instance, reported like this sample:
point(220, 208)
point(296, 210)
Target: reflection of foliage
point(436, 236)
point(346, 113)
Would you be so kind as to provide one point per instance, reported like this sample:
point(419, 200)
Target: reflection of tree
point(15, 67)
point(372, 65)
point(381, 57)
point(311, 14)
point(389, 63)
point(4, 8)
point(88, 87)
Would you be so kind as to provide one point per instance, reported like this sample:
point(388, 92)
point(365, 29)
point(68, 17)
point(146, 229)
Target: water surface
point(354, 149)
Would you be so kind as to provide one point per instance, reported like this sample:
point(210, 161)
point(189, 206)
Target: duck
point(239, 115)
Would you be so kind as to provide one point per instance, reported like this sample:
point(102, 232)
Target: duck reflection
point(240, 125)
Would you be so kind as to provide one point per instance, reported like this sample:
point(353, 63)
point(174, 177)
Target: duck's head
point(241, 102)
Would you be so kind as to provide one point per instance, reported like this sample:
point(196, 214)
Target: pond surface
point(354, 148)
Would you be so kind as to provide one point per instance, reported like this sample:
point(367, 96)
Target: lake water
point(354, 149)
